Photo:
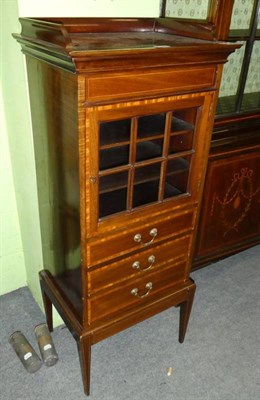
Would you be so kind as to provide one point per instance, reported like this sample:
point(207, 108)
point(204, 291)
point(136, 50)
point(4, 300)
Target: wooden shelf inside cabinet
point(122, 120)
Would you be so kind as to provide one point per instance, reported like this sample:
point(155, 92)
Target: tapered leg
point(185, 310)
point(48, 309)
point(84, 350)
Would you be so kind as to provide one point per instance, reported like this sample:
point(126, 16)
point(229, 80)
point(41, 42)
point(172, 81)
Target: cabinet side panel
point(53, 97)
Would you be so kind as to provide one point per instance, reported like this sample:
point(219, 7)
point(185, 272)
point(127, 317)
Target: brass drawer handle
point(138, 237)
point(148, 286)
point(137, 265)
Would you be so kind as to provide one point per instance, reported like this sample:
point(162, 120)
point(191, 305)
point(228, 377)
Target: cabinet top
point(86, 44)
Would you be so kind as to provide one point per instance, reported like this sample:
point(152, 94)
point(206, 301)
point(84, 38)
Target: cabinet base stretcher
point(85, 337)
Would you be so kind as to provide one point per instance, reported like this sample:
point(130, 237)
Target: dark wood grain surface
point(102, 208)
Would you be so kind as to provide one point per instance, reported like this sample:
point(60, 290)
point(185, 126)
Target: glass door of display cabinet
point(231, 20)
point(202, 19)
point(146, 154)
point(251, 95)
point(240, 86)
point(189, 9)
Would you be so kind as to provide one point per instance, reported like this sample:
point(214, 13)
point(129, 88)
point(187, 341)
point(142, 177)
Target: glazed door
point(145, 155)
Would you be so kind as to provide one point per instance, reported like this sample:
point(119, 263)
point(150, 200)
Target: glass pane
point(111, 182)
point(113, 157)
point(112, 193)
point(149, 149)
point(183, 120)
point(151, 125)
point(147, 173)
point(146, 184)
point(241, 14)
point(251, 101)
point(231, 72)
point(145, 193)
point(251, 98)
point(177, 175)
point(114, 132)
point(193, 9)
point(181, 142)
point(230, 81)
point(112, 202)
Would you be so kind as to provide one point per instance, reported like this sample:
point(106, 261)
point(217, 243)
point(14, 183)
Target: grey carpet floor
point(219, 360)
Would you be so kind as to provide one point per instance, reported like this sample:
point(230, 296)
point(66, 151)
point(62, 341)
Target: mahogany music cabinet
point(122, 113)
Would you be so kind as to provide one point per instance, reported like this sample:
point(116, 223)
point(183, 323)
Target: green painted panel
point(18, 128)
point(12, 266)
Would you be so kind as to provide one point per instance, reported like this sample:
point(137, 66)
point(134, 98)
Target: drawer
point(136, 292)
point(147, 83)
point(139, 238)
point(140, 264)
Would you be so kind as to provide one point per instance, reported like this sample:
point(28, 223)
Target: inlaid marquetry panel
point(231, 212)
point(124, 85)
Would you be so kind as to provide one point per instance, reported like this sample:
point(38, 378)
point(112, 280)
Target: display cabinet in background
point(230, 212)
point(230, 215)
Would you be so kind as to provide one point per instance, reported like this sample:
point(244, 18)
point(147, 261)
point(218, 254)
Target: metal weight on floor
point(46, 346)
point(25, 352)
